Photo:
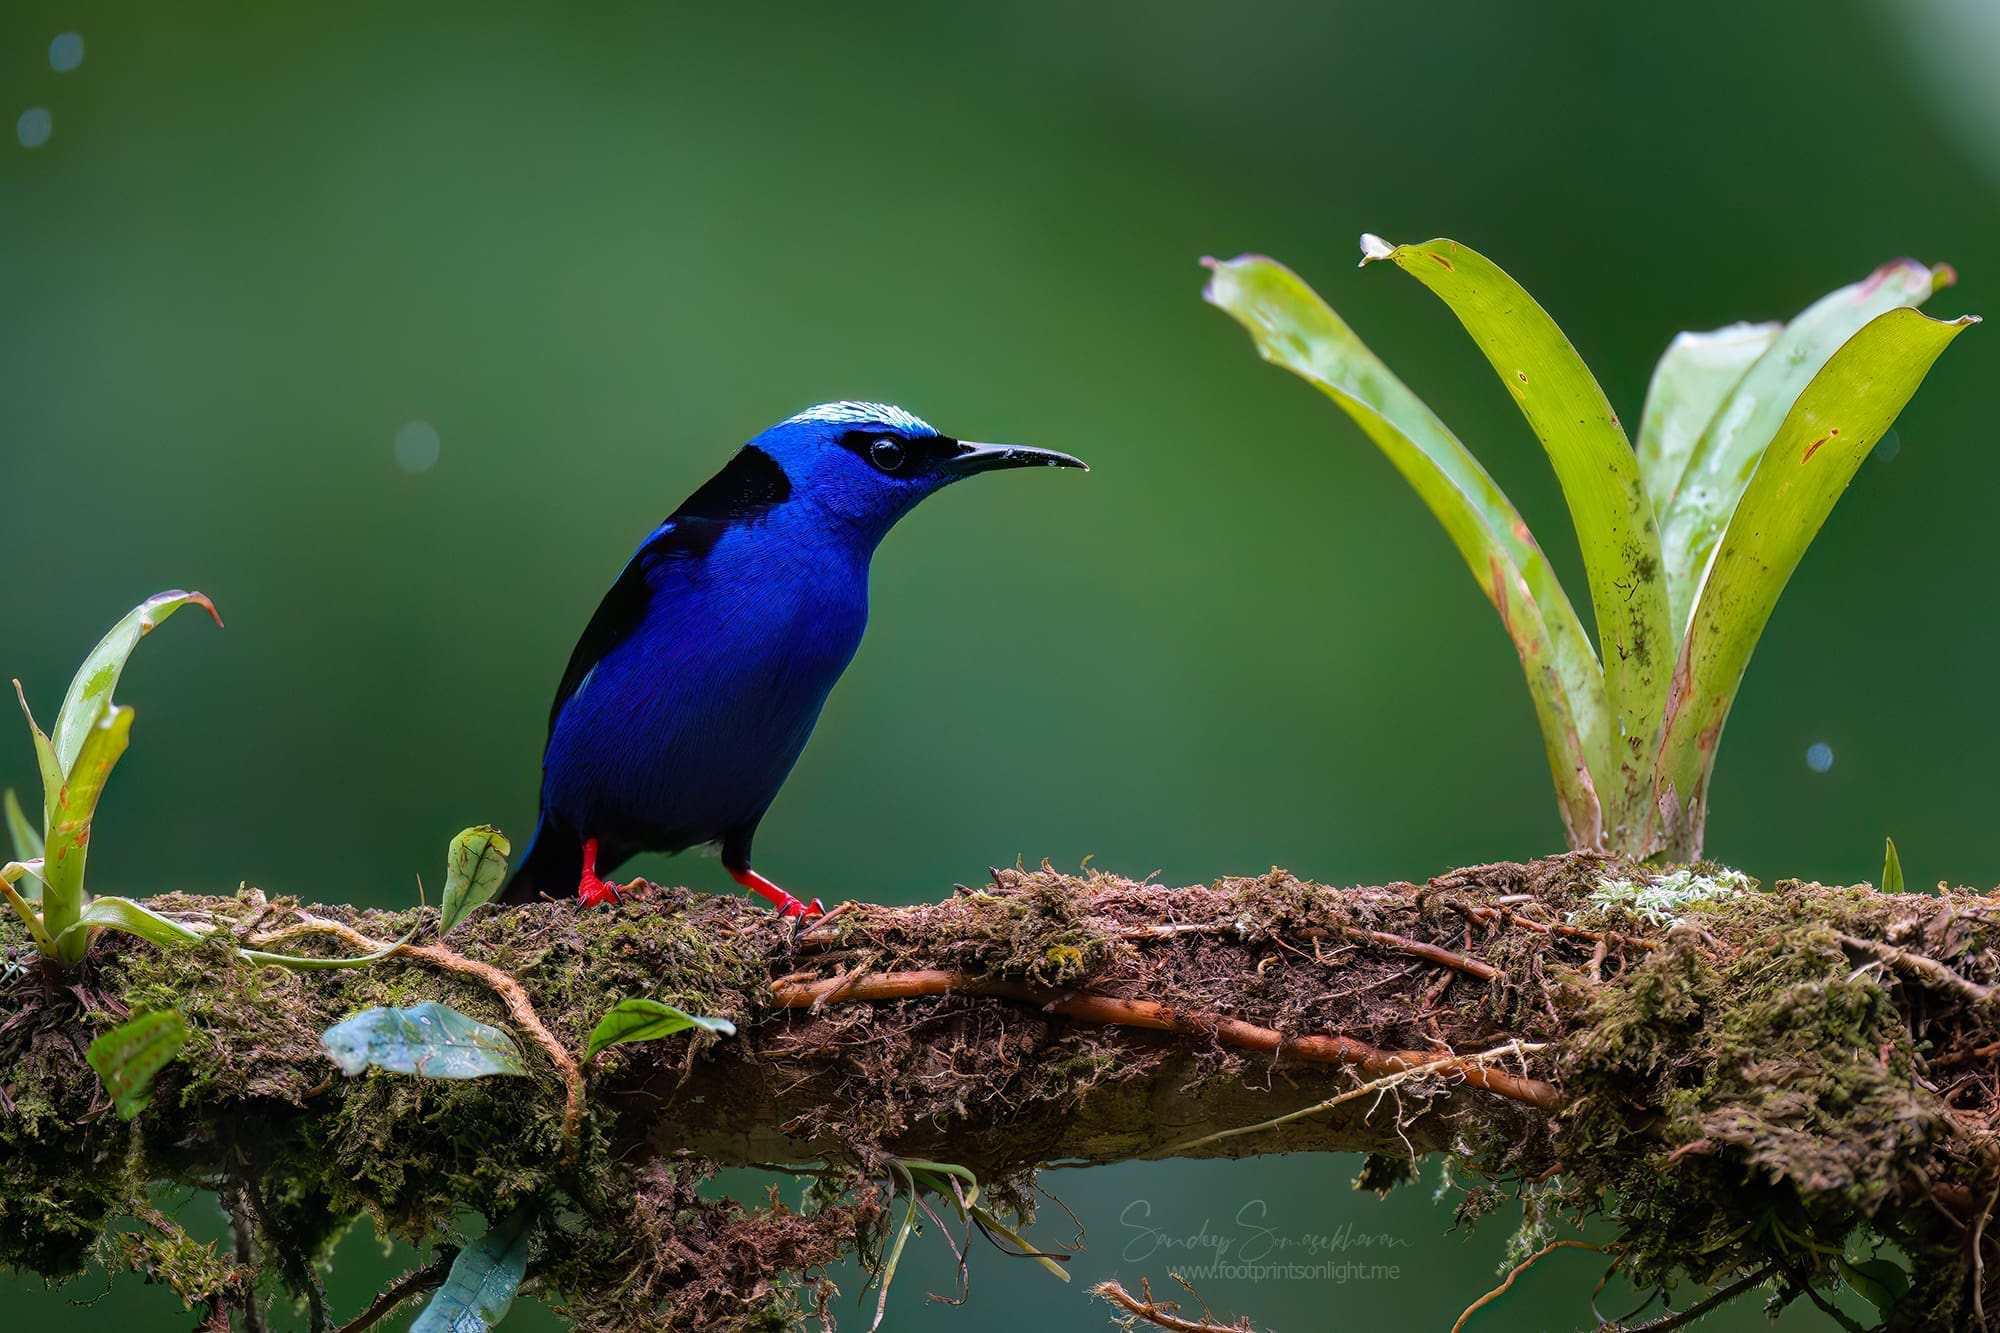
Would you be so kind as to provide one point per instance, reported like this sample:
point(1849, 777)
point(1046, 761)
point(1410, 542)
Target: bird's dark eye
point(888, 454)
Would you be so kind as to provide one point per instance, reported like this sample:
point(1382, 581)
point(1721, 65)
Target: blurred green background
point(571, 255)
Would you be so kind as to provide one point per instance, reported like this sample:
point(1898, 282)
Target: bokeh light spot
point(1819, 756)
point(1888, 447)
point(33, 128)
point(417, 446)
point(66, 52)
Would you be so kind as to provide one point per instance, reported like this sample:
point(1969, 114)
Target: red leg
point(777, 897)
point(592, 890)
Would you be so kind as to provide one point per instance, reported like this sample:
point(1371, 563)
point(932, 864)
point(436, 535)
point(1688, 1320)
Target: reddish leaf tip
point(201, 600)
point(1882, 272)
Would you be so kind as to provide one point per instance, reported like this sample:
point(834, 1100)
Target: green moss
point(1269, 903)
point(194, 1270)
point(1748, 1091)
point(1042, 933)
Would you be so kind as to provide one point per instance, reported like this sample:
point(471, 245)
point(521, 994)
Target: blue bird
point(695, 686)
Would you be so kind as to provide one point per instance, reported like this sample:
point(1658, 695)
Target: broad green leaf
point(428, 1039)
point(1892, 869)
point(1842, 413)
point(1293, 328)
point(128, 1057)
point(1720, 465)
point(1880, 1282)
point(474, 870)
point(89, 694)
point(480, 1288)
point(1600, 480)
point(26, 836)
point(1696, 373)
point(645, 1020)
point(69, 829)
point(45, 758)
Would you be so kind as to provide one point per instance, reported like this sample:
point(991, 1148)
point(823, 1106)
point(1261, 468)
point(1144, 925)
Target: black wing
point(749, 486)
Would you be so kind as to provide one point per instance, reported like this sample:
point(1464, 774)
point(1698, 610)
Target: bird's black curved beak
point(972, 458)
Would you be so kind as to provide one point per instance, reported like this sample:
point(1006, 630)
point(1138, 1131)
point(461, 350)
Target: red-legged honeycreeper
point(696, 684)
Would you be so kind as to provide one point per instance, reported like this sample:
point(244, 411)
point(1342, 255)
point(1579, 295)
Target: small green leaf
point(1892, 868)
point(112, 913)
point(89, 696)
point(428, 1039)
point(132, 918)
point(892, 1251)
point(27, 837)
point(919, 1166)
point(28, 872)
point(1880, 1282)
point(45, 758)
point(480, 1288)
point(645, 1020)
point(474, 870)
point(129, 1055)
point(1053, 1262)
point(10, 875)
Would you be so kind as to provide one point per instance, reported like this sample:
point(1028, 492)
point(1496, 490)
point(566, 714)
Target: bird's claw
point(782, 902)
point(799, 914)
point(595, 892)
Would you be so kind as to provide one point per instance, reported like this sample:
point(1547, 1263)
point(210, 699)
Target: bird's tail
point(552, 865)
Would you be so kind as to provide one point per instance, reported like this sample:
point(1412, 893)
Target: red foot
point(593, 890)
point(786, 905)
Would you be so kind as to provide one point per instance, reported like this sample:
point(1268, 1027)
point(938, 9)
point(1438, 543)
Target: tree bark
point(1723, 1073)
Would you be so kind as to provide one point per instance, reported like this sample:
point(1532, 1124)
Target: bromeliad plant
point(76, 760)
point(1748, 436)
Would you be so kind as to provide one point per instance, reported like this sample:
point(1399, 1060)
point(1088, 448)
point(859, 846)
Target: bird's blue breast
point(684, 729)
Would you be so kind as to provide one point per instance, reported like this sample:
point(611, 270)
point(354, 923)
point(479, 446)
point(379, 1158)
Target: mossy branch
point(1739, 1080)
